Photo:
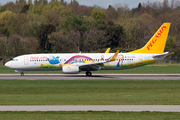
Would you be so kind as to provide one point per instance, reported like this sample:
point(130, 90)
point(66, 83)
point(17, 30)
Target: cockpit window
point(15, 60)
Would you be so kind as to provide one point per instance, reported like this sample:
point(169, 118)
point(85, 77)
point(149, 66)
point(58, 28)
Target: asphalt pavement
point(134, 108)
point(93, 77)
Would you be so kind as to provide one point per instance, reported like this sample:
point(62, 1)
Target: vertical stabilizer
point(157, 43)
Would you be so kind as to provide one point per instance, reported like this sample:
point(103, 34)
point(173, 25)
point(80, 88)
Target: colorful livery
point(73, 63)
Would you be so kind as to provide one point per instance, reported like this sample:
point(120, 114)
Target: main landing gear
point(88, 73)
point(22, 74)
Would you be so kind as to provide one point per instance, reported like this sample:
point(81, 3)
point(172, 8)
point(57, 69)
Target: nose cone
point(8, 64)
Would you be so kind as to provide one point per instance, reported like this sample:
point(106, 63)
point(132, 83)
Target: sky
point(101, 3)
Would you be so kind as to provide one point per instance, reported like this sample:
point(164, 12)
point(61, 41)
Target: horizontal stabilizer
point(163, 55)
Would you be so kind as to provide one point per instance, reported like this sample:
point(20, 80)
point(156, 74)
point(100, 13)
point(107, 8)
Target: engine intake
point(70, 69)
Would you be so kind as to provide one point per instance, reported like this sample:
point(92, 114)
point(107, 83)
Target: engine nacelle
point(70, 69)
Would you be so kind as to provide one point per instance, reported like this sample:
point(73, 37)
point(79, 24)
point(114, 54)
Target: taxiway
point(134, 108)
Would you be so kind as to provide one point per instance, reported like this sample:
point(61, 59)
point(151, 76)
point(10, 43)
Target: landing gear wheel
point(22, 74)
point(88, 73)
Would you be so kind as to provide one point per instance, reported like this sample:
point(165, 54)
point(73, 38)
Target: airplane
point(73, 63)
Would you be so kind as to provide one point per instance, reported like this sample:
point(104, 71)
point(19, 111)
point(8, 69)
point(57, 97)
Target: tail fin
point(157, 43)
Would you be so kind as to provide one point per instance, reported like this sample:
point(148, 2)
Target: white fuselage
point(43, 62)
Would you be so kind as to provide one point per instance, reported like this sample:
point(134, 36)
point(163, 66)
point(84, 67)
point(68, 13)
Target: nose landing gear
point(22, 74)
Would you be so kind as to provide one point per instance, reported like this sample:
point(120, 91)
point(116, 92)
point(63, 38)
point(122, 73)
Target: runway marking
point(133, 108)
point(93, 77)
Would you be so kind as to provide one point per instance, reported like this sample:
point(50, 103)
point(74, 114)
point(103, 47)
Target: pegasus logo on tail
point(156, 37)
point(157, 43)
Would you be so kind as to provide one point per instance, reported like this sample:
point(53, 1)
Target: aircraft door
point(140, 59)
point(26, 60)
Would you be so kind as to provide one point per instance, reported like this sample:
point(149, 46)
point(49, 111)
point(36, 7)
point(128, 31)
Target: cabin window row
point(46, 60)
point(125, 59)
point(72, 60)
point(79, 60)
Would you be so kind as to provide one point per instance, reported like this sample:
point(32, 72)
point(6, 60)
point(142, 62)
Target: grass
point(89, 115)
point(89, 92)
point(153, 69)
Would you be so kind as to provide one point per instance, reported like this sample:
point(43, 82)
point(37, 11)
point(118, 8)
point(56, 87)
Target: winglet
point(114, 57)
point(107, 51)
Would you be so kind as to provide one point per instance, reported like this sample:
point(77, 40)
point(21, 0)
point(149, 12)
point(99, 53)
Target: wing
point(96, 65)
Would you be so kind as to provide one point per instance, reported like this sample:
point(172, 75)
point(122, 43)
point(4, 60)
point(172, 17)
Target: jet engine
point(70, 69)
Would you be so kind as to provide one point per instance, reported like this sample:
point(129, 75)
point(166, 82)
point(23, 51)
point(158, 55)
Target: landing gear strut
point(88, 73)
point(22, 74)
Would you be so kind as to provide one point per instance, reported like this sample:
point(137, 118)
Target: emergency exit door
point(26, 60)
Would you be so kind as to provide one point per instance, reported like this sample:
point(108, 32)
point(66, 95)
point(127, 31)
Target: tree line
point(61, 27)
